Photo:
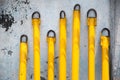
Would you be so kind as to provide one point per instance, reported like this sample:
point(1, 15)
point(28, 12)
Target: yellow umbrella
point(105, 44)
point(62, 46)
point(23, 57)
point(51, 48)
point(36, 44)
point(91, 22)
point(76, 42)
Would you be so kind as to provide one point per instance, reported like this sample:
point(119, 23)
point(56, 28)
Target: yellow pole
point(76, 42)
point(36, 44)
point(23, 57)
point(91, 22)
point(62, 46)
point(51, 41)
point(105, 44)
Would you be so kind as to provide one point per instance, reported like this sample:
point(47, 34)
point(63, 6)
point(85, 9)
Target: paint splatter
point(56, 57)
point(6, 51)
point(31, 76)
point(42, 78)
point(10, 52)
point(6, 21)
point(26, 2)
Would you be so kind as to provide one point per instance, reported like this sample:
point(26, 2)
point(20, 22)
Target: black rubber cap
point(24, 38)
point(90, 10)
point(77, 7)
point(106, 30)
point(53, 32)
point(36, 15)
point(62, 14)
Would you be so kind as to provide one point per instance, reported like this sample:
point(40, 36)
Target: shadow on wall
point(115, 40)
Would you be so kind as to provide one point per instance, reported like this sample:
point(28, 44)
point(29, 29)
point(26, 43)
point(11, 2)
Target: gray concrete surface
point(116, 49)
point(108, 16)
